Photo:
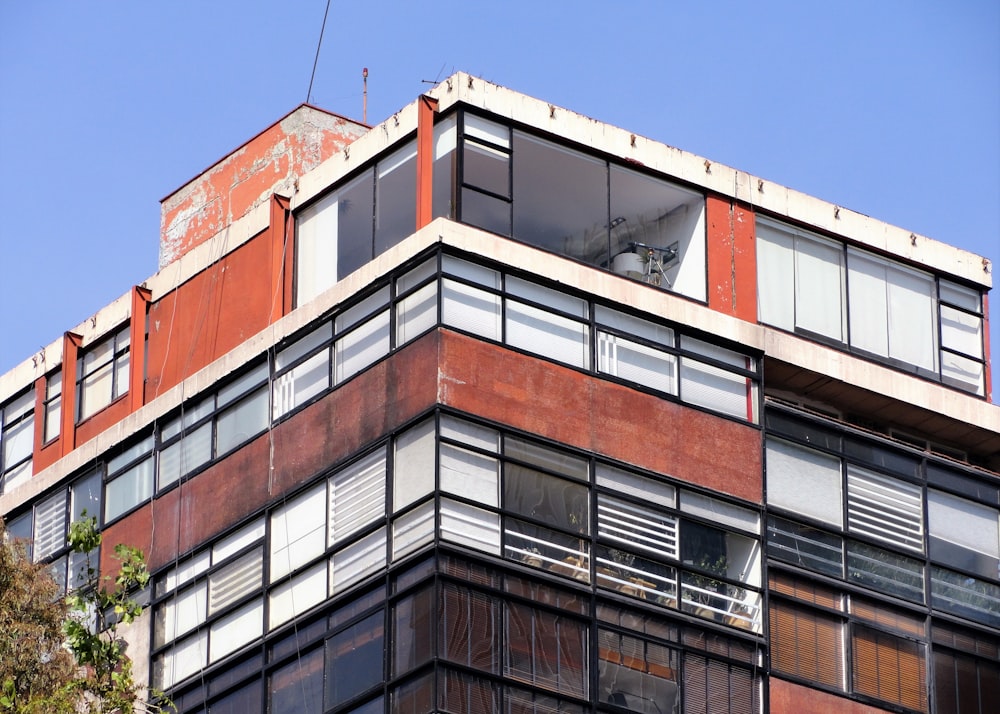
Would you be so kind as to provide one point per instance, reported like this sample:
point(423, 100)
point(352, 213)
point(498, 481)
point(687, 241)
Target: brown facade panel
point(600, 416)
point(206, 317)
point(369, 406)
point(789, 698)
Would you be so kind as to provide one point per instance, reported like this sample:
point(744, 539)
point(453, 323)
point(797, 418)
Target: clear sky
point(887, 107)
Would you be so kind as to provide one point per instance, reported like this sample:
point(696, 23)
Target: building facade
point(493, 407)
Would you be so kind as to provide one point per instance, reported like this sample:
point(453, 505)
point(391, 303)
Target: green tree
point(64, 654)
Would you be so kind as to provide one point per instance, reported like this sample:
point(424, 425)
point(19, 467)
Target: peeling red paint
point(268, 163)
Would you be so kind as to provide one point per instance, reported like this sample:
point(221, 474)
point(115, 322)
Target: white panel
point(546, 334)
point(474, 476)
point(298, 531)
point(959, 296)
point(470, 526)
point(962, 372)
point(476, 435)
point(636, 363)
point(235, 581)
point(912, 320)
point(411, 531)
point(182, 661)
point(720, 512)
point(357, 496)
point(547, 296)
point(472, 272)
point(884, 508)
point(644, 488)
point(316, 248)
point(184, 573)
point(636, 527)
point(488, 131)
point(238, 540)
point(50, 525)
point(775, 276)
point(868, 307)
point(362, 347)
point(416, 313)
point(818, 287)
point(293, 598)
point(18, 442)
point(183, 612)
point(961, 331)
point(300, 384)
point(357, 561)
point(963, 522)
point(236, 629)
point(805, 482)
point(714, 388)
point(471, 309)
point(413, 475)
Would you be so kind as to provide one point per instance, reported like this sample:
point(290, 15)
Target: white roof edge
point(769, 197)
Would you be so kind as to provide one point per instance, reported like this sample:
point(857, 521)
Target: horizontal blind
point(885, 508)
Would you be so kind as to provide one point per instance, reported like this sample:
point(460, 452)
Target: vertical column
point(986, 348)
point(732, 260)
point(137, 348)
point(67, 429)
point(39, 420)
point(282, 233)
point(426, 109)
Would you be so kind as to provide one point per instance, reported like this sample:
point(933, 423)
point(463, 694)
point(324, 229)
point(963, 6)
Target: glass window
point(546, 650)
point(354, 658)
point(964, 534)
point(298, 686)
point(804, 481)
point(649, 213)
point(237, 424)
point(132, 487)
point(636, 675)
point(560, 199)
point(807, 644)
point(17, 436)
point(103, 371)
point(892, 310)
point(395, 197)
point(53, 406)
point(298, 531)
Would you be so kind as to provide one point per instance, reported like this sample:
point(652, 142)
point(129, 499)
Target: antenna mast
point(364, 108)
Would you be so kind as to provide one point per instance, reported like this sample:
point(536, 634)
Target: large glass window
point(102, 373)
point(881, 308)
point(17, 440)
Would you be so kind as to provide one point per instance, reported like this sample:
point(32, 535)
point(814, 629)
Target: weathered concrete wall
point(269, 163)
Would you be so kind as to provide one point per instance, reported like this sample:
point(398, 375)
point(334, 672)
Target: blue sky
point(886, 107)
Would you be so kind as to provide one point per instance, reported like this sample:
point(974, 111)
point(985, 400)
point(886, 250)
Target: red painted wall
point(732, 259)
point(215, 311)
point(597, 415)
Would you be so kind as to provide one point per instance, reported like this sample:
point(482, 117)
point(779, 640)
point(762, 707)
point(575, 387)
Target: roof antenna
point(364, 106)
point(316, 58)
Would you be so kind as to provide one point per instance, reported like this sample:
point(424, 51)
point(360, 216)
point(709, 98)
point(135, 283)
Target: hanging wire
point(319, 44)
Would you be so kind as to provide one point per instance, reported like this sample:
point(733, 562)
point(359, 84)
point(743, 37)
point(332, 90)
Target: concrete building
point(493, 407)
